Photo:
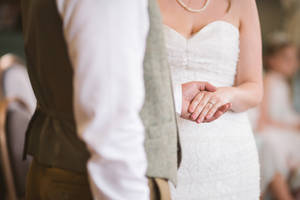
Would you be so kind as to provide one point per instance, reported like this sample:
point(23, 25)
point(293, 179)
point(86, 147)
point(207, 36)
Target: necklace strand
point(181, 3)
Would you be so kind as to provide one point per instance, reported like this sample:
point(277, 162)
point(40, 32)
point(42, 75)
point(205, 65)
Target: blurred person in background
point(278, 124)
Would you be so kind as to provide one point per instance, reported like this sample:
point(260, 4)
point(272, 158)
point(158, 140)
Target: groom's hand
point(189, 91)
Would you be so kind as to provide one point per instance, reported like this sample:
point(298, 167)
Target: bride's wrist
point(229, 93)
point(234, 91)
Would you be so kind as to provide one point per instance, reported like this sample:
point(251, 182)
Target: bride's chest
point(212, 52)
point(216, 44)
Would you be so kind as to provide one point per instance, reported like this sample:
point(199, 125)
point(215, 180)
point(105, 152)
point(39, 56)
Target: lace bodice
point(209, 55)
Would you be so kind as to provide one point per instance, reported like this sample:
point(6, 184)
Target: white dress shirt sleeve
point(106, 42)
point(177, 93)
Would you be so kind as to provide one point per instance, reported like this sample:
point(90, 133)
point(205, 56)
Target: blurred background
point(280, 21)
point(10, 28)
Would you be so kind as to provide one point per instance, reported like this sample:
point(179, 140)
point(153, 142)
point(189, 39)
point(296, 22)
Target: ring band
point(211, 103)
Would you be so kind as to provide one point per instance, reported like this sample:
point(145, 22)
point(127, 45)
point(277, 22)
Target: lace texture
point(219, 159)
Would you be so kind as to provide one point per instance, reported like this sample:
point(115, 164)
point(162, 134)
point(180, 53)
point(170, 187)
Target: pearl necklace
point(180, 2)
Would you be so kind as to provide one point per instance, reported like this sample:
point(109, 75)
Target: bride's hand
point(205, 104)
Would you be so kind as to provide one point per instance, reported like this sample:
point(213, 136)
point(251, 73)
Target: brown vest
point(51, 135)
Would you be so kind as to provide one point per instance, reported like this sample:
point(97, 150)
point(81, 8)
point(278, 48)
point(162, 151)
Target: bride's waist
point(230, 120)
point(231, 130)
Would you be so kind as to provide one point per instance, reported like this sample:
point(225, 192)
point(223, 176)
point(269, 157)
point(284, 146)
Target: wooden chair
point(14, 118)
point(4, 150)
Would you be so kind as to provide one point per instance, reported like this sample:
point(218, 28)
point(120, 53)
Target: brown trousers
point(44, 183)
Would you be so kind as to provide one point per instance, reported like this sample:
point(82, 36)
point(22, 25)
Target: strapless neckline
point(207, 26)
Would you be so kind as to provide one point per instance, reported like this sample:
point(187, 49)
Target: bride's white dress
point(219, 159)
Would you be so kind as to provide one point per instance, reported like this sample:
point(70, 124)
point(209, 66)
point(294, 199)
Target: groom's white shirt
point(106, 42)
point(178, 98)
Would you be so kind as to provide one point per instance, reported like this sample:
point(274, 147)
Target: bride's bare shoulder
point(243, 9)
point(242, 4)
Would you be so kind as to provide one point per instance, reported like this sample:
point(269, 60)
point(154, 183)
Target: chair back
point(15, 115)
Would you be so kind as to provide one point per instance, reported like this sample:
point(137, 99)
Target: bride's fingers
point(213, 110)
point(195, 102)
point(204, 112)
point(200, 106)
point(211, 107)
point(216, 116)
point(223, 109)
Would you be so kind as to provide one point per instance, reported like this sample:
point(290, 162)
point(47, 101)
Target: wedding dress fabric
point(219, 159)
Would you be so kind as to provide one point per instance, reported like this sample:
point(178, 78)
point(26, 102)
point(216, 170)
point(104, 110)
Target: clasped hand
point(202, 102)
